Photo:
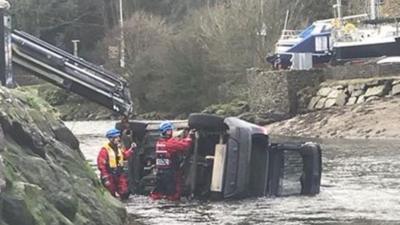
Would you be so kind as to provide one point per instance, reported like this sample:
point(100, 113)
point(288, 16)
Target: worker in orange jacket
point(112, 162)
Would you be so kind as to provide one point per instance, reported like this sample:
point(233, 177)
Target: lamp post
point(373, 9)
point(75, 44)
point(6, 73)
point(338, 12)
point(122, 41)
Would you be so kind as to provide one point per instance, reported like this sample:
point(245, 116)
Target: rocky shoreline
point(355, 91)
point(44, 178)
point(375, 119)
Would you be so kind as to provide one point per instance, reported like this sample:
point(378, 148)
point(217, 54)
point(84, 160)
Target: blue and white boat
point(315, 40)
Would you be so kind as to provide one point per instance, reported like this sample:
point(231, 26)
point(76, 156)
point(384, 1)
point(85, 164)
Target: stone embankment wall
point(291, 92)
point(277, 90)
point(350, 92)
point(356, 71)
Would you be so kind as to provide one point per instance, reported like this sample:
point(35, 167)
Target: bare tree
point(110, 14)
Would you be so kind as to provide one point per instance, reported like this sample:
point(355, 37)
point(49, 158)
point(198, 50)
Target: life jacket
point(115, 162)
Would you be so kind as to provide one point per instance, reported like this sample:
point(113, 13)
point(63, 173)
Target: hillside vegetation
point(181, 55)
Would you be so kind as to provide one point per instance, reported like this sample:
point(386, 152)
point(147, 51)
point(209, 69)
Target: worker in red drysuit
point(169, 175)
point(112, 161)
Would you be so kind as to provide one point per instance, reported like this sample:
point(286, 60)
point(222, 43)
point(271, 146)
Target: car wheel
point(202, 121)
point(312, 168)
point(138, 128)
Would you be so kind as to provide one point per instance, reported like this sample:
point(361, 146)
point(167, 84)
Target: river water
point(360, 185)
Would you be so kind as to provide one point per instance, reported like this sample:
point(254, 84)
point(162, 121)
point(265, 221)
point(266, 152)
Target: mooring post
point(6, 73)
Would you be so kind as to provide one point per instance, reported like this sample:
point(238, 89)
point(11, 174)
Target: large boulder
point(15, 211)
point(321, 103)
point(46, 180)
point(324, 91)
point(379, 90)
point(313, 102)
point(352, 100)
point(396, 89)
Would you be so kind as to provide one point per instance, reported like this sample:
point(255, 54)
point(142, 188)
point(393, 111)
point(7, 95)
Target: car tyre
point(202, 121)
point(311, 177)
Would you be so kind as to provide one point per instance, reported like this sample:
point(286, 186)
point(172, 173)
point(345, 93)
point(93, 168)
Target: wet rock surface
point(374, 118)
point(44, 178)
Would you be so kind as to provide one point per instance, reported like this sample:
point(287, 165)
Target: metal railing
point(290, 34)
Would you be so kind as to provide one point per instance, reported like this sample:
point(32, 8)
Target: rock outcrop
point(356, 91)
point(44, 178)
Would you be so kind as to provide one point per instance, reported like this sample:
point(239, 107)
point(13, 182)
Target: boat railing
point(358, 33)
point(290, 34)
point(339, 35)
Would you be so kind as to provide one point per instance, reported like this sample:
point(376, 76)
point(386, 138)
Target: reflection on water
point(360, 185)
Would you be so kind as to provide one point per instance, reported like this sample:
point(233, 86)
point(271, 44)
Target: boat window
point(326, 28)
point(307, 31)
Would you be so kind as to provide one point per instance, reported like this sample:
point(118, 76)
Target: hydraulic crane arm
point(71, 73)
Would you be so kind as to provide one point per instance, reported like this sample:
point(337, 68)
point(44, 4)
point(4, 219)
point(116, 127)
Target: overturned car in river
point(230, 158)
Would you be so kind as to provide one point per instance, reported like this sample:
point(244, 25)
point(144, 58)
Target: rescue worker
point(111, 163)
point(168, 152)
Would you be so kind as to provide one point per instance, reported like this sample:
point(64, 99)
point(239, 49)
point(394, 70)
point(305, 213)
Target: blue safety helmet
point(166, 125)
point(113, 133)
